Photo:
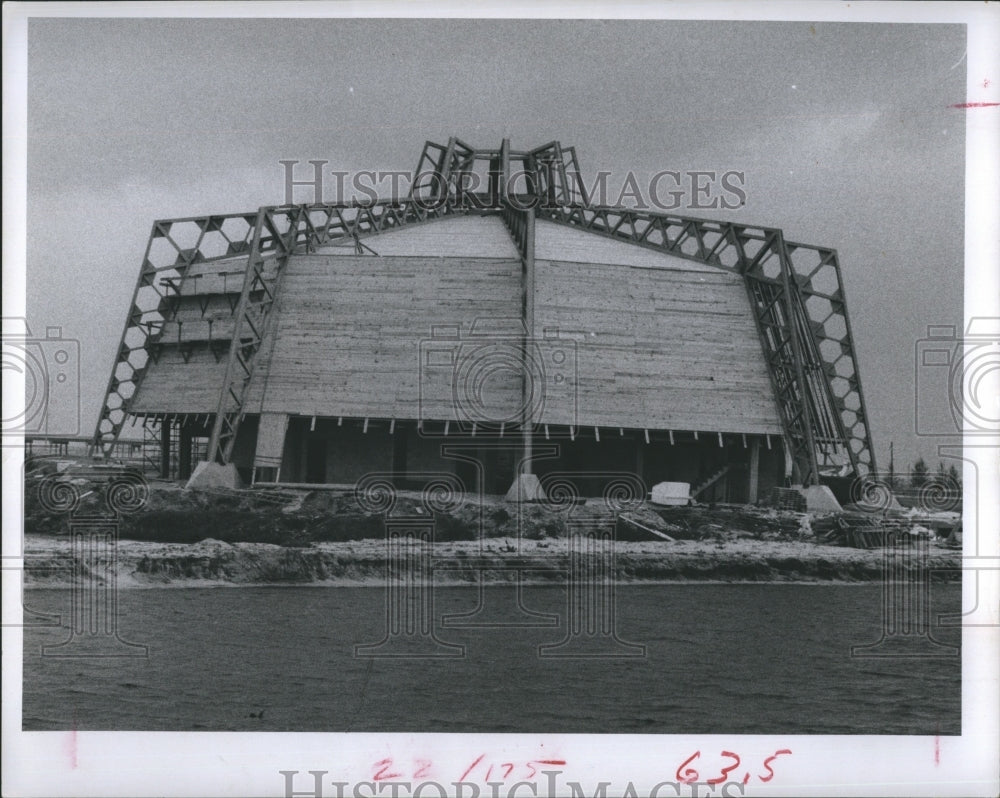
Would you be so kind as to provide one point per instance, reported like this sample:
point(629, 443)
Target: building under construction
point(483, 333)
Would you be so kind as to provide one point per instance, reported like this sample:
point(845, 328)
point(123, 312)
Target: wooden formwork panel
point(174, 386)
point(348, 330)
point(660, 344)
point(560, 242)
point(664, 348)
point(462, 237)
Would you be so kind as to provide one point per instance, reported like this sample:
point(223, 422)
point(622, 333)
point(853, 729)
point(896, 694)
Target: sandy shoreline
point(213, 563)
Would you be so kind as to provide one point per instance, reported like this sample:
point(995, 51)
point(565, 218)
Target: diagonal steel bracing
point(797, 295)
point(795, 290)
point(172, 248)
point(261, 242)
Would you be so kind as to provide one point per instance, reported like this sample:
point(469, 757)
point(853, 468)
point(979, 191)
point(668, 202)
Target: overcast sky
point(844, 132)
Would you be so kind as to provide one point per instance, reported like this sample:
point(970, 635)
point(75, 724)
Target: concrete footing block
point(820, 499)
point(526, 488)
point(208, 475)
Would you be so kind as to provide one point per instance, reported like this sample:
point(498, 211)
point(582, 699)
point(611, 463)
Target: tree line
point(920, 474)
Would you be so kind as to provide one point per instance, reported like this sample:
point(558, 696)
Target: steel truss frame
point(796, 290)
point(797, 295)
point(453, 171)
point(263, 241)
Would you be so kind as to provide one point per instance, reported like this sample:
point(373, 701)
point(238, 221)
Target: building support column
point(165, 446)
point(753, 488)
point(640, 459)
point(399, 453)
point(184, 462)
point(528, 423)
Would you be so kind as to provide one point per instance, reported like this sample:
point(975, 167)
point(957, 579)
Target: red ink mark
point(690, 774)
point(423, 768)
point(746, 778)
point(937, 749)
point(382, 774)
point(549, 761)
point(725, 771)
point(470, 768)
point(71, 748)
point(767, 764)
point(986, 83)
point(510, 767)
point(974, 105)
point(71, 743)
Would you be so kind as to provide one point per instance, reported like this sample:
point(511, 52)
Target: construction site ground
point(191, 538)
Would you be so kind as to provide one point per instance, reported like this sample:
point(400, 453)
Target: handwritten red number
point(380, 775)
point(690, 774)
point(471, 767)
point(725, 771)
point(767, 764)
point(533, 770)
point(423, 768)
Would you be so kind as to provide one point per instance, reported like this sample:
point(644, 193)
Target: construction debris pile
point(863, 530)
point(166, 512)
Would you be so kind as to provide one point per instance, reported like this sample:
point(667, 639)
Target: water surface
point(750, 658)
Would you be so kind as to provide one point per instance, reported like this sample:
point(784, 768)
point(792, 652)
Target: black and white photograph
point(456, 400)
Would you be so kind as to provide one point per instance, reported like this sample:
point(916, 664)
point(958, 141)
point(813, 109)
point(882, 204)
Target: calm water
point(719, 658)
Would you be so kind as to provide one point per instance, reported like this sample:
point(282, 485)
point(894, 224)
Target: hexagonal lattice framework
point(840, 387)
point(771, 266)
point(655, 235)
point(184, 235)
point(820, 330)
point(213, 245)
point(844, 367)
point(173, 246)
point(819, 308)
point(728, 256)
point(238, 228)
point(806, 260)
point(162, 252)
point(835, 327)
point(689, 246)
point(830, 350)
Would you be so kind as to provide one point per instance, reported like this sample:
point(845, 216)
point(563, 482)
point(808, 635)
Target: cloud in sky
point(843, 130)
